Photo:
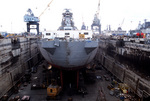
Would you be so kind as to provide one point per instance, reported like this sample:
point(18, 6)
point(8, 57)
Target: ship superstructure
point(67, 21)
point(68, 48)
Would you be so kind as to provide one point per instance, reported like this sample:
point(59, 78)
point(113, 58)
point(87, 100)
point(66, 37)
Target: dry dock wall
point(138, 84)
point(16, 56)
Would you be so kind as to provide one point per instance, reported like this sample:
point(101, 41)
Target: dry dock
point(107, 56)
point(93, 90)
point(16, 56)
point(20, 56)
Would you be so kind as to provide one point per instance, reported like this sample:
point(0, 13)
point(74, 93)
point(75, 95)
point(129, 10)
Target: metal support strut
point(33, 23)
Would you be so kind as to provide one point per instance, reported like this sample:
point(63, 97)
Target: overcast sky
point(112, 12)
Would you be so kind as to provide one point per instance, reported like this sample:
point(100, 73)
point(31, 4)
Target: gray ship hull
point(68, 55)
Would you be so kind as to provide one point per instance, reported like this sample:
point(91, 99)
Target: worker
point(144, 35)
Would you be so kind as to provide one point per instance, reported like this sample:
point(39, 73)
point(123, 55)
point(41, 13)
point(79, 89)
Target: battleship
point(68, 48)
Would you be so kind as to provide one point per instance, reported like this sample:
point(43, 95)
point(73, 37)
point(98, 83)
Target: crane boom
point(122, 22)
point(98, 9)
point(45, 9)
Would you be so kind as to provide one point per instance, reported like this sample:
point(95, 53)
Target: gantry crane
point(96, 21)
point(32, 20)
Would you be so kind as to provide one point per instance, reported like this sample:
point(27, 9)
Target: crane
point(30, 19)
point(122, 22)
point(96, 21)
point(98, 9)
point(45, 8)
point(30, 16)
point(120, 25)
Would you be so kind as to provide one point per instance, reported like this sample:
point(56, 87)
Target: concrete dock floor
point(92, 90)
